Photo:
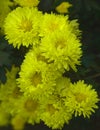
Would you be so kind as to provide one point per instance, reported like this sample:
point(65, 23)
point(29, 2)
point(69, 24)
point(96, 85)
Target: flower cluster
point(41, 92)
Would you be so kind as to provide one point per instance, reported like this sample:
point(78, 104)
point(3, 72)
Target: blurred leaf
point(4, 58)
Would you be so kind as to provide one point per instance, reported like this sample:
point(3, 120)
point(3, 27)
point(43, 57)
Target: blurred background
point(88, 14)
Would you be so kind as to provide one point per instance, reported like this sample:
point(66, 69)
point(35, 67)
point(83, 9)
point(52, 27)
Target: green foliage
point(9, 56)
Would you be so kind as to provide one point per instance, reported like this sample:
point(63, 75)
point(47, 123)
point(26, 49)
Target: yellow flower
point(51, 23)
point(27, 3)
point(22, 25)
point(55, 113)
point(36, 78)
point(62, 48)
point(28, 109)
point(63, 7)
point(82, 99)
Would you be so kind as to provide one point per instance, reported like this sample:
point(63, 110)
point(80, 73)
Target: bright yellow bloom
point(36, 78)
point(62, 48)
point(22, 26)
point(63, 7)
point(27, 3)
point(81, 99)
point(51, 23)
point(55, 113)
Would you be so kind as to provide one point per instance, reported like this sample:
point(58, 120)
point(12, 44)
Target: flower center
point(41, 58)
point(53, 26)
point(31, 105)
point(80, 97)
point(26, 25)
point(51, 109)
point(16, 92)
point(60, 43)
point(36, 79)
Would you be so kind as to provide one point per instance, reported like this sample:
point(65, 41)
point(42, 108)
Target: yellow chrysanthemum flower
point(31, 109)
point(63, 7)
point(27, 3)
point(62, 48)
point(4, 10)
point(81, 99)
point(36, 78)
point(51, 23)
point(22, 26)
point(55, 113)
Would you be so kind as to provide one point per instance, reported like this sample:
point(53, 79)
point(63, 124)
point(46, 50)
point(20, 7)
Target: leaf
point(4, 58)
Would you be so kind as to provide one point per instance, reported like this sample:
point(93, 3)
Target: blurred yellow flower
point(4, 116)
point(63, 7)
point(31, 109)
point(18, 122)
point(27, 3)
